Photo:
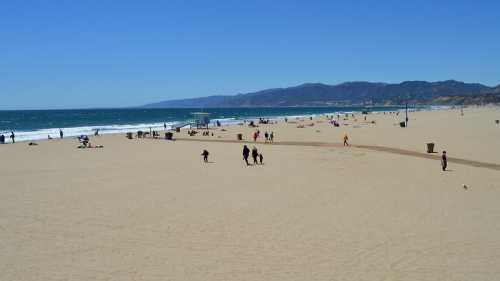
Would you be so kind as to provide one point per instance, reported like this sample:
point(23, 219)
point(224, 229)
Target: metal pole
point(406, 114)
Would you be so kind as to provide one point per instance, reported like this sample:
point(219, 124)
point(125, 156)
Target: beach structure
point(365, 111)
point(201, 119)
point(179, 125)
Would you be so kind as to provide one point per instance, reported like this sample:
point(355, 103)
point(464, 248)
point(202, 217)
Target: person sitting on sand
point(85, 141)
point(261, 158)
point(2, 139)
point(246, 153)
point(83, 138)
point(205, 155)
point(49, 137)
point(86, 144)
point(255, 154)
point(346, 138)
point(444, 161)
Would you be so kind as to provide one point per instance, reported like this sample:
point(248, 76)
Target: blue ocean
point(39, 124)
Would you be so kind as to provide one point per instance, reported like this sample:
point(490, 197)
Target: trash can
point(430, 147)
point(239, 137)
point(402, 124)
point(169, 135)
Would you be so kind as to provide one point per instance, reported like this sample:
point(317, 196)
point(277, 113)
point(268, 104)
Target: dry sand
point(152, 210)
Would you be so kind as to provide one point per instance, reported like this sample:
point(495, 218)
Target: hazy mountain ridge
point(350, 93)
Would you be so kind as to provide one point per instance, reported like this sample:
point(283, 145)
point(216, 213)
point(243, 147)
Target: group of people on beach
point(255, 155)
point(258, 158)
point(269, 137)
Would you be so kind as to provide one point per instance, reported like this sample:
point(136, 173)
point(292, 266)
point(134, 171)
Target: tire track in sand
point(399, 151)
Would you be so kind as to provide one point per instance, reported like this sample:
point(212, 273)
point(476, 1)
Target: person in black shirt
point(205, 155)
point(246, 153)
point(255, 154)
point(444, 161)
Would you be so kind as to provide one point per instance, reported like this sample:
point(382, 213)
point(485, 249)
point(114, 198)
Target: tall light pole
point(406, 125)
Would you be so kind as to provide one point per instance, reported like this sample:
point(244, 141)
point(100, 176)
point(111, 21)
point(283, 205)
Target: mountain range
point(448, 92)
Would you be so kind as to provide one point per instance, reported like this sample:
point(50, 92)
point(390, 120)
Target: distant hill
point(350, 93)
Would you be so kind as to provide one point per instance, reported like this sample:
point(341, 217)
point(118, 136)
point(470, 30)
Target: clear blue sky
point(73, 54)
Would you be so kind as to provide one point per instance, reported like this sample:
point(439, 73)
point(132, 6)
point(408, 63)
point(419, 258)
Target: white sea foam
point(43, 134)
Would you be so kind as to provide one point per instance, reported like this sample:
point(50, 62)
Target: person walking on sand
point(205, 155)
point(261, 158)
point(246, 153)
point(13, 137)
point(255, 135)
point(271, 137)
point(266, 135)
point(444, 161)
point(255, 154)
point(61, 134)
point(346, 138)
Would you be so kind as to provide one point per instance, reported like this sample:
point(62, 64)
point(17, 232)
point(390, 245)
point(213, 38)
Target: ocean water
point(38, 124)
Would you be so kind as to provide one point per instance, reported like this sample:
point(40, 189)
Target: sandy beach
point(150, 209)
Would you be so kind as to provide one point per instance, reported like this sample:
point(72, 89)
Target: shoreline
point(42, 133)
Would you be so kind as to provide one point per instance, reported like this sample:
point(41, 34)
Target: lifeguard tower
point(201, 119)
